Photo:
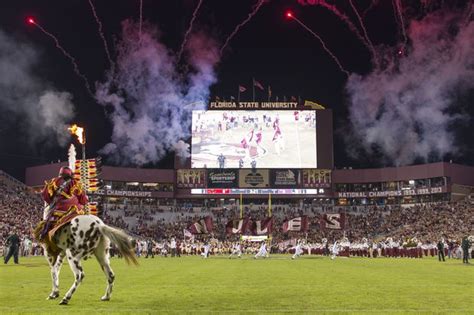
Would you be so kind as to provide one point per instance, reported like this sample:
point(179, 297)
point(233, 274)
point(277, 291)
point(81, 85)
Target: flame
point(78, 132)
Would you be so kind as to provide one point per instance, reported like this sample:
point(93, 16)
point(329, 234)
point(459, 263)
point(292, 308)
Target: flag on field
point(262, 227)
point(188, 235)
point(242, 88)
point(258, 84)
point(298, 224)
point(293, 98)
point(269, 93)
point(333, 221)
point(232, 98)
point(218, 99)
point(203, 226)
point(237, 226)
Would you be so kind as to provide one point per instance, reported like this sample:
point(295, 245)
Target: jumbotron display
point(254, 139)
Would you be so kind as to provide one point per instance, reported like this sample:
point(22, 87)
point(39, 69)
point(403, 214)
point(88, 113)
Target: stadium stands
point(21, 209)
point(426, 222)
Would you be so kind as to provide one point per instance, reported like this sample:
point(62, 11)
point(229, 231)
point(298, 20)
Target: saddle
point(62, 219)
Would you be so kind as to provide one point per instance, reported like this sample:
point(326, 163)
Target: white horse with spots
point(84, 236)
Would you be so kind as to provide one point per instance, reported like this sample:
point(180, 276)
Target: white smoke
point(71, 154)
point(182, 149)
point(54, 110)
point(151, 100)
point(27, 99)
point(405, 111)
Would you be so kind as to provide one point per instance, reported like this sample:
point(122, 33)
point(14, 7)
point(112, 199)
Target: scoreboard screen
point(254, 139)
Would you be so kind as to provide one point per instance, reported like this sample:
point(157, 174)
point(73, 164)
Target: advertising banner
point(317, 178)
point(254, 178)
point(286, 178)
point(225, 178)
point(190, 178)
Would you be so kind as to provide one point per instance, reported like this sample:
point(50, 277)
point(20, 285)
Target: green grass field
point(279, 284)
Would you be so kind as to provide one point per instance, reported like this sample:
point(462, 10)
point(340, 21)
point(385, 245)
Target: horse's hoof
point(63, 302)
point(53, 296)
point(105, 298)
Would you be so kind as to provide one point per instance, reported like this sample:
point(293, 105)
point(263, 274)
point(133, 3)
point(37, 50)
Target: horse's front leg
point(55, 275)
point(75, 264)
point(55, 263)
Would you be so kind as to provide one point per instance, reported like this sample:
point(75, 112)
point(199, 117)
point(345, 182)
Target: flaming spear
point(79, 132)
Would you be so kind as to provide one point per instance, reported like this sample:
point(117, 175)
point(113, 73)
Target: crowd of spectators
point(21, 209)
point(427, 222)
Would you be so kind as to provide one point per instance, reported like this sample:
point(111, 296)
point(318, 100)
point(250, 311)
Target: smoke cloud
point(55, 109)
point(151, 101)
point(405, 111)
point(26, 99)
point(182, 149)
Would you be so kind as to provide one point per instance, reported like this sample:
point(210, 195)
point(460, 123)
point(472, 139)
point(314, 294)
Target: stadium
point(386, 213)
point(159, 181)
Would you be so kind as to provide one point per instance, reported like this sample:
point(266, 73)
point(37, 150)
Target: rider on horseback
point(67, 233)
point(65, 198)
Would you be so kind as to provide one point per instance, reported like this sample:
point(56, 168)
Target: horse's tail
point(122, 241)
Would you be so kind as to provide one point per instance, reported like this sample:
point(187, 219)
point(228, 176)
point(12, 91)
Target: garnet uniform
point(72, 197)
point(67, 196)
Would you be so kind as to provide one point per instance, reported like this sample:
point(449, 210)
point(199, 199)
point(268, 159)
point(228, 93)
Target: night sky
point(274, 50)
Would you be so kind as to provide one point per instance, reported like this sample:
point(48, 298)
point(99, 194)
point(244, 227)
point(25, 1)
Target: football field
point(311, 284)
